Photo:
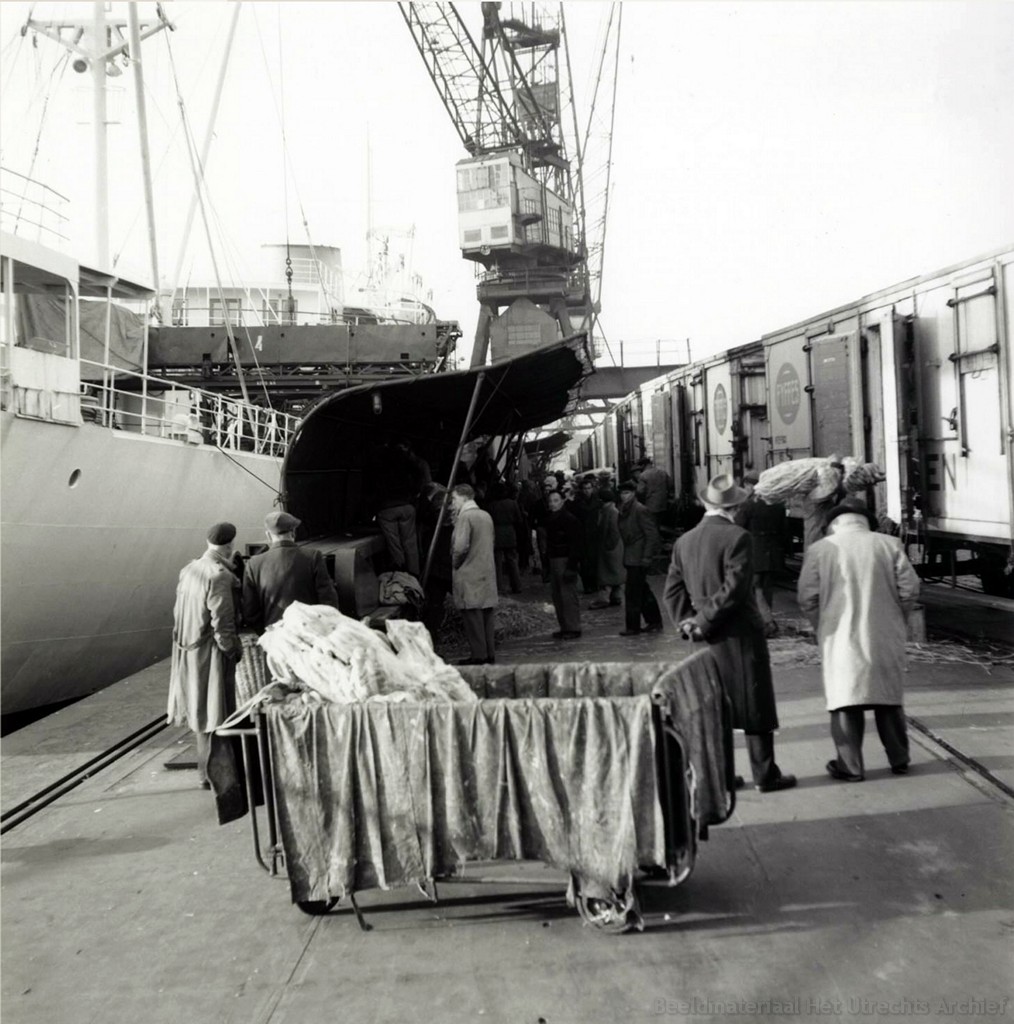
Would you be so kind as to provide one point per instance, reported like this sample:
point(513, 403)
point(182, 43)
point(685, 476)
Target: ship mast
point(96, 45)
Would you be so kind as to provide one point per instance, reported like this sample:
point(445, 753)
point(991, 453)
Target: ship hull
point(96, 525)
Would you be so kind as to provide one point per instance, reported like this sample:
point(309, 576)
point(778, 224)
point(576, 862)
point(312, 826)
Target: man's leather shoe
point(630, 632)
point(570, 634)
point(782, 782)
point(838, 771)
point(738, 782)
point(471, 661)
point(899, 769)
point(596, 605)
point(653, 627)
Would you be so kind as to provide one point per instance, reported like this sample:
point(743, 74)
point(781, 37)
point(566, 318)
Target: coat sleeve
point(253, 609)
point(222, 609)
point(575, 539)
point(737, 580)
point(652, 538)
point(326, 593)
point(675, 595)
point(906, 578)
point(808, 587)
point(461, 540)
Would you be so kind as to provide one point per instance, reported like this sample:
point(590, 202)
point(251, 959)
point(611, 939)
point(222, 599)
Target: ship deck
point(125, 901)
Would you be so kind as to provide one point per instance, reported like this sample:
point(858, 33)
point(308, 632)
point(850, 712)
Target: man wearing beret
point(206, 645)
point(709, 594)
point(857, 587)
point(284, 573)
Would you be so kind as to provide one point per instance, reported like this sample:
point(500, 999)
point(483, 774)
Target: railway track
point(31, 806)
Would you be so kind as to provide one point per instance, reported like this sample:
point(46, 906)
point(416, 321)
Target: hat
point(722, 492)
point(221, 533)
point(281, 522)
point(852, 506)
point(627, 485)
point(550, 481)
point(753, 477)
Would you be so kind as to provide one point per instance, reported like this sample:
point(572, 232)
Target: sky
point(770, 160)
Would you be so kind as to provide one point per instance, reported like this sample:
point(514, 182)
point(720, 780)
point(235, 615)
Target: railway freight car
point(916, 377)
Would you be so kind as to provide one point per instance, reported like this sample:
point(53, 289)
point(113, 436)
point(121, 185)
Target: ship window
point(280, 310)
point(216, 314)
point(499, 231)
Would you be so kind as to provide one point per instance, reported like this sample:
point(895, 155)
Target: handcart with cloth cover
point(603, 770)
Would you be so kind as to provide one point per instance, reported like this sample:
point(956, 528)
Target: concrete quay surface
point(894, 898)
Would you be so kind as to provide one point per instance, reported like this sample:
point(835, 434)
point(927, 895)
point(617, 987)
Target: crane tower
point(518, 218)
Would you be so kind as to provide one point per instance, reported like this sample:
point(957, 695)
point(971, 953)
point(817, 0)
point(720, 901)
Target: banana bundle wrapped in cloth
point(316, 647)
point(817, 479)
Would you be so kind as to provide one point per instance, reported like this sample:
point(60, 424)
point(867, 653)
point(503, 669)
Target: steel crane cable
point(173, 127)
point(287, 158)
point(198, 171)
point(60, 65)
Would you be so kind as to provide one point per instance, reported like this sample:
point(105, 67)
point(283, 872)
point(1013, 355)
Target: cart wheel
point(316, 908)
point(608, 915)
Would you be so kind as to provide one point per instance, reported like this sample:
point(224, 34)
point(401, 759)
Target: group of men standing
point(216, 596)
point(856, 586)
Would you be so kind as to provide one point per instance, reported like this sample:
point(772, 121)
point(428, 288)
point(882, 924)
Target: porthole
point(74, 478)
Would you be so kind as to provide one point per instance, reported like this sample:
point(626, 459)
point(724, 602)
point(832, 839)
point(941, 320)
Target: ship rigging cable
point(288, 166)
point(198, 173)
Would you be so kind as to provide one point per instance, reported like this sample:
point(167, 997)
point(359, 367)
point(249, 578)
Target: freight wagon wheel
point(316, 908)
point(607, 915)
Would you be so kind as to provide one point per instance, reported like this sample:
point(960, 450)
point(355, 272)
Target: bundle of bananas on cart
point(317, 648)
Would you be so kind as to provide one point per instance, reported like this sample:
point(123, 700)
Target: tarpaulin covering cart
point(603, 770)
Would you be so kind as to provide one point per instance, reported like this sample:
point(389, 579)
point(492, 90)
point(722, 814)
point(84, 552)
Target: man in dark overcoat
point(641, 543)
point(709, 594)
point(284, 573)
point(765, 522)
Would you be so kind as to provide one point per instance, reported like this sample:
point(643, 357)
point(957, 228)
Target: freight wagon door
point(682, 456)
point(973, 473)
point(787, 406)
point(718, 392)
point(661, 432)
point(831, 392)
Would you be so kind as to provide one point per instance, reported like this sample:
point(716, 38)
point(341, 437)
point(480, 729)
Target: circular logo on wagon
point(721, 409)
point(787, 393)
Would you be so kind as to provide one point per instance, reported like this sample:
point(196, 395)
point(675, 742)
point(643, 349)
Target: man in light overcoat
point(473, 581)
point(206, 646)
point(709, 595)
point(857, 587)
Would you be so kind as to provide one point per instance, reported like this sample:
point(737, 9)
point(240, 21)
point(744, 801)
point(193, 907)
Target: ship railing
point(137, 403)
point(32, 210)
point(251, 318)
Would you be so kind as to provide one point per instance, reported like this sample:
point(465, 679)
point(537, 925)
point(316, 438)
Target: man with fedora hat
point(857, 587)
point(206, 646)
point(283, 574)
point(709, 595)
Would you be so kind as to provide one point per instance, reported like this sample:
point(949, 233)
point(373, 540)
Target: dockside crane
point(521, 211)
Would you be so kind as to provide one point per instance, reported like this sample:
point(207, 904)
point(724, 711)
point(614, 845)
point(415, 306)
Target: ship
point(118, 452)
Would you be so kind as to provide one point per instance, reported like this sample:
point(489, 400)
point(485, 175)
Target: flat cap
point(627, 485)
point(221, 533)
point(280, 522)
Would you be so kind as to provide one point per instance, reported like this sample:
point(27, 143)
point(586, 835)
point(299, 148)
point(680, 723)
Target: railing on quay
point(153, 407)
